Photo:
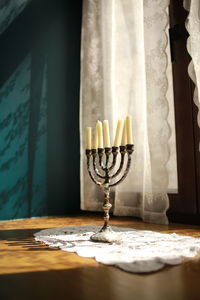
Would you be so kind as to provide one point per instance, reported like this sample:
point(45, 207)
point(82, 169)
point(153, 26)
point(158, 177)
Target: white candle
point(129, 130)
point(124, 135)
point(118, 135)
point(95, 145)
point(100, 134)
point(106, 133)
point(88, 138)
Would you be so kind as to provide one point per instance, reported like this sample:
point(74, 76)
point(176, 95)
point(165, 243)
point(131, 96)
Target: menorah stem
point(106, 206)
point(106, 234)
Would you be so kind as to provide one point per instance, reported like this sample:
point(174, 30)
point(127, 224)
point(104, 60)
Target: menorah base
point(106, 235)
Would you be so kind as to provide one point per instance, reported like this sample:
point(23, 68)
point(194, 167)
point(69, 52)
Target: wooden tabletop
point(31, 270)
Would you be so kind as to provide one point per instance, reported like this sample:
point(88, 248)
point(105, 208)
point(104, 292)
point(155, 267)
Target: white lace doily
point(137, 251)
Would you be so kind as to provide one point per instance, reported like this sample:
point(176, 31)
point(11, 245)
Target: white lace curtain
point(123, 71)
point(193, 46)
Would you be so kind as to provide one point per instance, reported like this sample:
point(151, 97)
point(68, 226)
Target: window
point(184, 206)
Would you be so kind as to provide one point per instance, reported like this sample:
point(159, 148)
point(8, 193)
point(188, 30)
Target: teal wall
point(39, 107)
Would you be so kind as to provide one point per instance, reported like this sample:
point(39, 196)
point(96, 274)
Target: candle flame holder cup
point(104, 174)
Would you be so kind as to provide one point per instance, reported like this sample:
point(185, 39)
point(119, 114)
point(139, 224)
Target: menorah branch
point(122, 152)
point(125, 172)
point(88, 154)
point(115, 151)
point(101, 152)
point(94, 154)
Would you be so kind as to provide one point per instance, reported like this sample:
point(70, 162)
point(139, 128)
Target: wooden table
point(30, 270)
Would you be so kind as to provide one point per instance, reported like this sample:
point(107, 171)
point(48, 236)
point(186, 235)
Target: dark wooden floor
point(30, 270)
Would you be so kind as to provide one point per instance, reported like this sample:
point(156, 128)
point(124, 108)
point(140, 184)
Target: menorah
point(103, 170)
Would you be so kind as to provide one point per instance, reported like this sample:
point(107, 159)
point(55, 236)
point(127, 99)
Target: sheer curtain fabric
point(123, 71)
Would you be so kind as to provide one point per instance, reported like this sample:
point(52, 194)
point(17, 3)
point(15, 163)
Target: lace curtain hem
point(192, 25)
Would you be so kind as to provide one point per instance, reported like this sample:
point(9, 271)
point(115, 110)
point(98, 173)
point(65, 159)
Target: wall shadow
point(45, 38)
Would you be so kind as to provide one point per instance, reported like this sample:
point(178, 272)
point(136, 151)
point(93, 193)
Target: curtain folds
point(193, 27)
point(123, 71)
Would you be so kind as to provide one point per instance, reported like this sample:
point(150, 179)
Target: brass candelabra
point(101, 165)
